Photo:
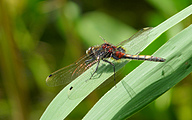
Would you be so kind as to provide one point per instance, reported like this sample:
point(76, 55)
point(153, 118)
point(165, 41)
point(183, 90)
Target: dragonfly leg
point(90, 60)
point(113, 67)
point(98, 61)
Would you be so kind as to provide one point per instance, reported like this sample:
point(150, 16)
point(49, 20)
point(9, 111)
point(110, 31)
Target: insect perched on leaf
point(97, 53)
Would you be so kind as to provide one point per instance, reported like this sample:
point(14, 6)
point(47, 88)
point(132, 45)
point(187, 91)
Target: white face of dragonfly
point(88, 51)
point(92, 49)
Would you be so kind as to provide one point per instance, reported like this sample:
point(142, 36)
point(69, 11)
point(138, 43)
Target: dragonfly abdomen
point(144, 57)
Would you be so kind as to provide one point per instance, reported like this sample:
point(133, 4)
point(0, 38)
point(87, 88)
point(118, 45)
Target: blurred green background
point(38, 37)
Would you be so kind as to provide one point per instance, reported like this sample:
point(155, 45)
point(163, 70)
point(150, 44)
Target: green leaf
point(77, 90)
point(148, 81)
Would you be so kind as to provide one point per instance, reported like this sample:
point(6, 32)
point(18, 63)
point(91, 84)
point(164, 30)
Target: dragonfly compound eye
point(89, 50)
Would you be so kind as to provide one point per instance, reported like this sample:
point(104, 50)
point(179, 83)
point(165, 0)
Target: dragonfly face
point(94, 55)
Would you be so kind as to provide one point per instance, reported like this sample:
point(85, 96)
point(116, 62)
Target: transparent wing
point(135, 43)
point(67, 74)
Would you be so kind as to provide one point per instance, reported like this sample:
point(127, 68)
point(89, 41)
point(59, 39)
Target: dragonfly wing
point(135, 43)
point(62, 76)
point(67, 74)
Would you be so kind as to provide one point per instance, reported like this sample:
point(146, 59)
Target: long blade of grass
point(66, 100)
point(149, 80)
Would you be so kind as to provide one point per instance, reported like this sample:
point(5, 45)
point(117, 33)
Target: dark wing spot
point(50, 75)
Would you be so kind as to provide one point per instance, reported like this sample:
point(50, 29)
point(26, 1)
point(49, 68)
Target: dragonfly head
point(89, 50)
point(92, 50)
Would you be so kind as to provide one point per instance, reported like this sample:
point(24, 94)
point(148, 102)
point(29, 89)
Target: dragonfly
point(98, 53)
